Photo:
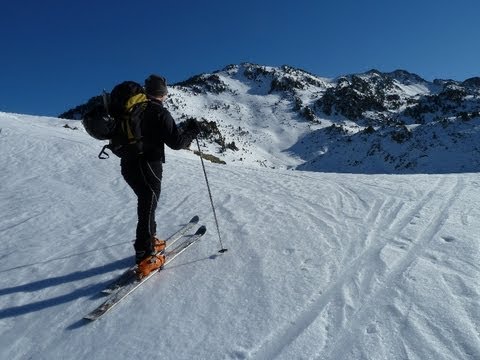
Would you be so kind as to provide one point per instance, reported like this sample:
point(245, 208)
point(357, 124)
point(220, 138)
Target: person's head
point(156, 86)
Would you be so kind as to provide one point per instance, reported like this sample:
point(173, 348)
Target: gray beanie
point(156, 85)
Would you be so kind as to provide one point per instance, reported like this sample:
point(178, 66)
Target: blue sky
point(56, 54)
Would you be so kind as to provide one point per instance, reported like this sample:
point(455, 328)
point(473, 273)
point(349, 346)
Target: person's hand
point(192, 127)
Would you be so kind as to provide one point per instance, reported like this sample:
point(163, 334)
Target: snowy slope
point(320, 266)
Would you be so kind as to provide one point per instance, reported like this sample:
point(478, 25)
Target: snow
point(319, 265)
point(259, 116)
point(413, 89)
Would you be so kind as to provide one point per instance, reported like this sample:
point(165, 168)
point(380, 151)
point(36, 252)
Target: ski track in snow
point(320, 266)
point(354, 308)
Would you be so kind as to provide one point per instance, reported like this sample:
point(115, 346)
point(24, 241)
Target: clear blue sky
point(56, 54)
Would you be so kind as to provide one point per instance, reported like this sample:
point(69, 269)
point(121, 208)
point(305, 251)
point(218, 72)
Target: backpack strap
point(134, 108)
point(134, 100)
point(103, 154)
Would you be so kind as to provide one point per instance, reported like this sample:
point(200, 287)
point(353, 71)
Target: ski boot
point(158, 244)
point(148, 264)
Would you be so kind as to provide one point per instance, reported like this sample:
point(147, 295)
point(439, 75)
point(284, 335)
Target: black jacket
point(159, 128)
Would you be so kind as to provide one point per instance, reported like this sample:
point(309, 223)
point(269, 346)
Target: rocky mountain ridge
point(393, 122)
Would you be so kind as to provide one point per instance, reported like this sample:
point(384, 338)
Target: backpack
point(119, 120)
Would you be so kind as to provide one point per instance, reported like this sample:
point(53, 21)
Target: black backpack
point(119, 120)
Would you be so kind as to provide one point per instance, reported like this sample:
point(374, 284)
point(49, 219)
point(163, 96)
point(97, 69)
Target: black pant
point(145, 178)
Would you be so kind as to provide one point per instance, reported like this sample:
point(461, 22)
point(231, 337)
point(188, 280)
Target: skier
point(143, 173)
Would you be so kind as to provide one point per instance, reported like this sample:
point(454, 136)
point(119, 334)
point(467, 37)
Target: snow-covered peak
point(282, 116)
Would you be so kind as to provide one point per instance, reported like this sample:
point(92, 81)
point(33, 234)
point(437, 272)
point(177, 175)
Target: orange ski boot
point(149, 264)
point(158, 244)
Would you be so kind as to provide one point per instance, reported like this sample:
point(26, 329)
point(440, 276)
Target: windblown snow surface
point(319, 265)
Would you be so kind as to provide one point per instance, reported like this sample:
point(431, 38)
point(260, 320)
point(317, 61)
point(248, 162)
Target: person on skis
point(143, 173)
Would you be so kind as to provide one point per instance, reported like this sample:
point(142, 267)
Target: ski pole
point(222, 249)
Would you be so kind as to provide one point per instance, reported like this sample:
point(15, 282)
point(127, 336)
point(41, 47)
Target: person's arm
point(173, 137)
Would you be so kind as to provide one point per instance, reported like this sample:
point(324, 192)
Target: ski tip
point(194, 219)
point(201, 230)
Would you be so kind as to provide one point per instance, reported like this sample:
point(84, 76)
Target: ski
point(130, 273)
point(134, 283)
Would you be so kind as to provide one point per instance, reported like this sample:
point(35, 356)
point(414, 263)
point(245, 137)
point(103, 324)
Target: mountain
point(319, 265)
point(282, 117)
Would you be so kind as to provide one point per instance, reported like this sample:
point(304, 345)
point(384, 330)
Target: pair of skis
point(128, 281)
